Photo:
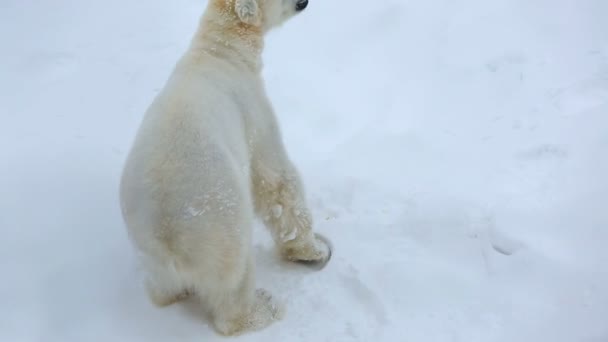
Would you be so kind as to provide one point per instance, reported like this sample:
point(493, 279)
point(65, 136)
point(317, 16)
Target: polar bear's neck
point(231, 40)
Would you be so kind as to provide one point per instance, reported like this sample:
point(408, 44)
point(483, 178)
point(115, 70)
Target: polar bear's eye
point(301, 4)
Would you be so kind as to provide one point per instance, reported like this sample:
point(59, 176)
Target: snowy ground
point(454, 151)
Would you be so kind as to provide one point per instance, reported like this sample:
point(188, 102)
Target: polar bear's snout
point(301, 5)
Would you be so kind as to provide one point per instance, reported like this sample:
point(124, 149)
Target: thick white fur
point(207, 159)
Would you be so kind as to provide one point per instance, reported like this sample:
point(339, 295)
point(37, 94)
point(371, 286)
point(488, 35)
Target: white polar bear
point(207, 158)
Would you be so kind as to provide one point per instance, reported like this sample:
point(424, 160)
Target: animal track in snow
point(545, 151)
point(366, 297)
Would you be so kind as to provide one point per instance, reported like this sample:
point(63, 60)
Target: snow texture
point(455, 152)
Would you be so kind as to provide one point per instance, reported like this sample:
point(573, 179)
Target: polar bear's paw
point(264, 311)
point(164, 295)
point(315, 253)
point(165, 299)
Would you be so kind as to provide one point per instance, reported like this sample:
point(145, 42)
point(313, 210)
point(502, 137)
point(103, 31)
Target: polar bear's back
point(186, 182)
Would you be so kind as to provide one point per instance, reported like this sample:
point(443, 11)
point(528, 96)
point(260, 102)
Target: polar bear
point(208, 158)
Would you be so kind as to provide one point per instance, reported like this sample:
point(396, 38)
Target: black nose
point(301, 4)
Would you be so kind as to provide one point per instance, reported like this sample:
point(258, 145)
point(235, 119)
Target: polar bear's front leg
point(280, 201)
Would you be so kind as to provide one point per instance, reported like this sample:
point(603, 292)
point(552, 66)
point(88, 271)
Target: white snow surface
point(455, 153)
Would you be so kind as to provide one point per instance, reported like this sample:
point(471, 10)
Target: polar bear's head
point(267, 13)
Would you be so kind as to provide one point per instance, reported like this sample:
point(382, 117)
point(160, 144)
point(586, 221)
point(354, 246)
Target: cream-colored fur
point(207, 159)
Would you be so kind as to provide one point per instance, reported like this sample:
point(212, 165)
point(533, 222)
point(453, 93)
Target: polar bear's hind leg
point(238, 309)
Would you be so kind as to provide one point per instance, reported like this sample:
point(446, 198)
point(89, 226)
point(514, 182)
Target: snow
point(453, 151)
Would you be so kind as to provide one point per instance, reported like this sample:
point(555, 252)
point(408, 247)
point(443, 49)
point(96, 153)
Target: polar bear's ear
point(248, 11)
